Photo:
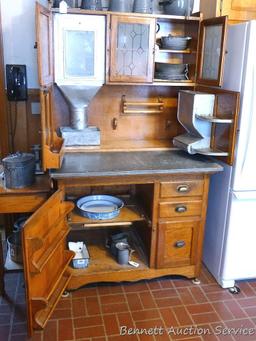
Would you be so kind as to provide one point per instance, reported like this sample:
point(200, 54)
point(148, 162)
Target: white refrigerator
point(230, 237)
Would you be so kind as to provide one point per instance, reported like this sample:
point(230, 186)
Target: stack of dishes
point(175, 42)
point(166, 71)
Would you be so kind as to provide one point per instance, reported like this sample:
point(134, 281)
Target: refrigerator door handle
point(250, 195)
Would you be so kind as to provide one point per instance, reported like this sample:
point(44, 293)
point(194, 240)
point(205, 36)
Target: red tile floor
point(97, 312)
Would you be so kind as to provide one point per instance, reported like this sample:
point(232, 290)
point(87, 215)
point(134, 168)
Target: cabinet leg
point(196, 281)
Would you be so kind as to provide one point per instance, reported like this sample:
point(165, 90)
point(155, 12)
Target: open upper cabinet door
point(212, 43)
point(52, 144)
point(45, 259)
point(44, 37)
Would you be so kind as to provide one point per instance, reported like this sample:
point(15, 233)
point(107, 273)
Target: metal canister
point(19, 170)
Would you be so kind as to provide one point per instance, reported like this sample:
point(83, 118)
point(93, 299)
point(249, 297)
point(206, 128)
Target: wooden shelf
point(101, 260)
point(175, 18)
point(39, 262)
point(164, 82)
point(187, 51)
point(210, 152)
point(42, 316)
point(129, 214)
point(68, 256)
point(214, 119)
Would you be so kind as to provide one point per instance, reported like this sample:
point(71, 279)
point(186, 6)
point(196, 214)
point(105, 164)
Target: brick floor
point(161, 306)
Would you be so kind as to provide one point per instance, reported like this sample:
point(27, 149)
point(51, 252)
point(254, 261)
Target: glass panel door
point(212, 51)
point(132, 49)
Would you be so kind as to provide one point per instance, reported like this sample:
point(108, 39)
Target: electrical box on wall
point(16, 78)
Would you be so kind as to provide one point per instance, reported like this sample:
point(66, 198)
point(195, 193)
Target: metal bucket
point(14, 245)
point(19, 170)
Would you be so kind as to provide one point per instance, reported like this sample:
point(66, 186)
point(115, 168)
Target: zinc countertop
point(99, 164)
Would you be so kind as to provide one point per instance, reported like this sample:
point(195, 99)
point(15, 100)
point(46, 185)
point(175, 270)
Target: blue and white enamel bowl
point(99, 207)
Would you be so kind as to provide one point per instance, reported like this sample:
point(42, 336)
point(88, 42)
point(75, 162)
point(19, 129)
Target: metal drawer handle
point(183, 189)
point(181, 209)
point(179, 244)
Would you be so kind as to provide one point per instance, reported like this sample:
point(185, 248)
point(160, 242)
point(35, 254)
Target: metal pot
point(94, 5)
point(175, 42)
point(143, 6)
point(121, 5)
point(177, 7)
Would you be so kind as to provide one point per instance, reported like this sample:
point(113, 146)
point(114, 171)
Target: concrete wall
point(18, 20)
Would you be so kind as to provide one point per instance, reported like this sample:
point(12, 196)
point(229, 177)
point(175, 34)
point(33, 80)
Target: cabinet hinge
point(221, 7)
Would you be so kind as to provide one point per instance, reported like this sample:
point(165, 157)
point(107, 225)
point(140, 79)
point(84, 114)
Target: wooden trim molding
point(4, 141)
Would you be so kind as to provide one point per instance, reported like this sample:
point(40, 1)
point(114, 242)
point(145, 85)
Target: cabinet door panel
point(132, 49)
point(52, 145)
point(212, 51)
point(44, 45)
point(177, 243)
point(45, 259)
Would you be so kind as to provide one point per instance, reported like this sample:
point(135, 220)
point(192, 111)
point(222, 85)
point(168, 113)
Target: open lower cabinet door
point(46, 259)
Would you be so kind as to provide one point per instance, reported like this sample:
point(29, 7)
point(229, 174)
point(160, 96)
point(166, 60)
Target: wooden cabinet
point(181, 215)
point(174, 237)
point(132, 49)
point(178, 240)
point(236, 10)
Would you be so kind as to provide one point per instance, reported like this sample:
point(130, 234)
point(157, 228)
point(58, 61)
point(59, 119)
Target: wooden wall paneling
point(106, 106)
point(237, 10)
point(4, 138)
point(24, 126)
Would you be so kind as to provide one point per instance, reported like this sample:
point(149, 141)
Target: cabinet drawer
point(182, 188)
point(177, 243)
point(185, 208)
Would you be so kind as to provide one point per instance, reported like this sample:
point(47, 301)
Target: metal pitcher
point(94, 5)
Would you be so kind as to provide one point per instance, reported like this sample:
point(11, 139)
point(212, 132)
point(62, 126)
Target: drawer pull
point(181, 209)
point(179, 244)
point(183, 189)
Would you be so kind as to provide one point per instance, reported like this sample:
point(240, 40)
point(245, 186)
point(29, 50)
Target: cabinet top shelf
point(193, 17)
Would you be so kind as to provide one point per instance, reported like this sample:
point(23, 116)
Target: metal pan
point(99, 207)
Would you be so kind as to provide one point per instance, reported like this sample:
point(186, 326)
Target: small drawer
point(177, 243)
point(182, 188)
point(172, 209)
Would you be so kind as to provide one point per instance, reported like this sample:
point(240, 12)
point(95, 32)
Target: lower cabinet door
point(46, 259)
point(177, 243)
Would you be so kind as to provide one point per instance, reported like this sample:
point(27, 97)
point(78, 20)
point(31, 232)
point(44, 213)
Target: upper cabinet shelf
point(187, 51)
point(214, 119)
point(193, 17)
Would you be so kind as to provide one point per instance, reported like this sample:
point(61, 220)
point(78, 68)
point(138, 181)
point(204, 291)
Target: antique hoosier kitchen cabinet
point(165, 190)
